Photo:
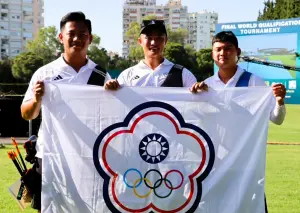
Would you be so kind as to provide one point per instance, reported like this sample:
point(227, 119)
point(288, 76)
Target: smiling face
point(76, 38)
point(153, 43)
point(225, 54)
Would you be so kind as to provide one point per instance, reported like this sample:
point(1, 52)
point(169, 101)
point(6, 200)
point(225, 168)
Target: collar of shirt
point(233, 80)
point(142, 65)
point(143, 75)
point(62, 63)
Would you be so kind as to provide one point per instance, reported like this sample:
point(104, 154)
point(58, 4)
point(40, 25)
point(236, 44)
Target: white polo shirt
point(215, 81)
point(143, 75)
point(59, 71)
point(278, 112)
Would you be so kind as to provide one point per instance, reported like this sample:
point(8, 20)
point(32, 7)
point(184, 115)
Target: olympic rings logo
point(150, 185)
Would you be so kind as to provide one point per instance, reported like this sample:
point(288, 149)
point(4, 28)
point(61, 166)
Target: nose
point(75, 38)
point(222, 52)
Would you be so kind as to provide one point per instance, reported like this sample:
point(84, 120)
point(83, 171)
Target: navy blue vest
point(97, 76)
point(244, 79)
point(174, 77)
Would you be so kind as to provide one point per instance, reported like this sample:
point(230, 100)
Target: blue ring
point(124, 178)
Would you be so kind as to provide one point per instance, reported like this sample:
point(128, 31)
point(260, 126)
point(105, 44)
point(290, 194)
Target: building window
point(14, 33)
point(28, 26)
point(16, 44)
point(15, 25)
point(15, 7)
point(27, 8)
point(15, 51)
point(4, 32)
point(15, 17)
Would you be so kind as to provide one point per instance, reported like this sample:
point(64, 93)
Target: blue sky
point(106, 15)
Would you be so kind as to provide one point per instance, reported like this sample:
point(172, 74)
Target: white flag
point(154, 149)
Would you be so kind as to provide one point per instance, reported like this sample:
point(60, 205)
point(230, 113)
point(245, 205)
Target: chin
point(154, 55)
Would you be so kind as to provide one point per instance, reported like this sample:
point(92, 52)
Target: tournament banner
point(154, 149)
point(270, 50)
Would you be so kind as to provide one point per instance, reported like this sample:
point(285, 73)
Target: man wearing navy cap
point(154, 70)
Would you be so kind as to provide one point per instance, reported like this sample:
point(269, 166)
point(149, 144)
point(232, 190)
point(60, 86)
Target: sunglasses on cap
point(146, 23)
point(153, 24)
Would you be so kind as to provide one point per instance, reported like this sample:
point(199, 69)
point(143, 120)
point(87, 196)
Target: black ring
point(156, 187)
point(161, 179)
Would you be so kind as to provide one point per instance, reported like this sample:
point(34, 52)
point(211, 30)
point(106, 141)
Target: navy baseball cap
point(151, 25)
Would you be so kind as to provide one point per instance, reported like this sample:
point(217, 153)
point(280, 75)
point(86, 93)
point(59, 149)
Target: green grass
point(289, 60)
point(283, 179)
point(289, 131)
point(8, 176)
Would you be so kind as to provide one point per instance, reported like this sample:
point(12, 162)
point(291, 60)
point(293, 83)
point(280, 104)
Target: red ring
point(179, 174)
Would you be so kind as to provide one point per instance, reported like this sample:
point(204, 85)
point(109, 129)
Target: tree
point(136, 52)
point(176, 53)
point(205, 64)
point(25, 64)
point(119, 63)
point(5, 72)
point(280, 9)
point(46, 44)
point(177, 36)
point(97, 54)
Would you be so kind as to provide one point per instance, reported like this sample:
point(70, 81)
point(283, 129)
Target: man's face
point(75, 37)
point(153, 43)
point(225, 54)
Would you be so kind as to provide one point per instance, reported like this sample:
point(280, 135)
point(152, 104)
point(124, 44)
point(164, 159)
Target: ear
point(239, 52)
point(140, 40)
point(60, 36)
point(91, 39)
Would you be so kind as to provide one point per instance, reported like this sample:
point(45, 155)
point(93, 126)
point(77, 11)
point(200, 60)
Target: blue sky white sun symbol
point(154, 148)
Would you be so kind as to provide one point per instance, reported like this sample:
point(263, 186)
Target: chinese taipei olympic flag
point(154, 149)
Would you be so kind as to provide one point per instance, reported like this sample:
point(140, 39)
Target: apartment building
point(173, 13)
point(201, 27)
point(20, 21)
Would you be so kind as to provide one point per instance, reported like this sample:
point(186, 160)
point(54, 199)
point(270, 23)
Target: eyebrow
point(81, 31)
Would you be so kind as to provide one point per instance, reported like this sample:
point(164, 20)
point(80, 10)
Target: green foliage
point(280, 9)
point(133, 32)
point(5, 71)
point(97, 54)
point(205, 63)
point(119, 63)
point(136, 52)
point(46, 44)
point(199, 63)
point(176, 53)
point(25, 65)
point(177, 36)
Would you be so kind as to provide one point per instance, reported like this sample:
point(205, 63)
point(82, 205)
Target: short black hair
point(226, 36)
point(77, 17)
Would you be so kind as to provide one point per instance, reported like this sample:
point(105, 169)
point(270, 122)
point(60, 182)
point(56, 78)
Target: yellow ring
point(134, 188)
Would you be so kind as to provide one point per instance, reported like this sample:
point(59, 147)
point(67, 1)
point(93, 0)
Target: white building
point(201, 27)
point(20, 21)
point(173, 13)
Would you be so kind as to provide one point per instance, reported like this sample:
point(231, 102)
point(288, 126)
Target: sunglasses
point(152, 22)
